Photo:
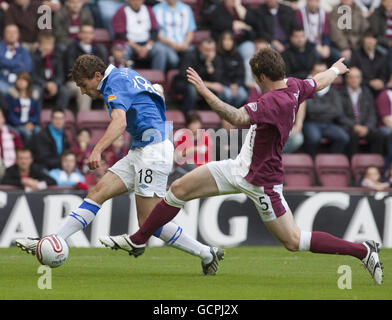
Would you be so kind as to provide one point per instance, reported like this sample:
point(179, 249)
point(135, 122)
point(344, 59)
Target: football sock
point(175, 236)
point(322, 242)
point(79, 218)
point(163, 213)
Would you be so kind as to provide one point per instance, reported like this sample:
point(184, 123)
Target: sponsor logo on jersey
point(110, 98)
point(143, 186)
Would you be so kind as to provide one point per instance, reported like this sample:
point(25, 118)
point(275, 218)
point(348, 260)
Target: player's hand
point(341, 66)
point(194, 78)
point(94, 160)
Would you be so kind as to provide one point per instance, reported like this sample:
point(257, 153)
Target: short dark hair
point(84, 129)
point(67, 153)
point(24, 149)
point(45, 35)
point(192, 117)
point(268, 62)
point(57, 109)
point(297, 29)
point(86, 66)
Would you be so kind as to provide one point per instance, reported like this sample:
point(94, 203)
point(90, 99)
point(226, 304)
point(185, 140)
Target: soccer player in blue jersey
point(134, 105)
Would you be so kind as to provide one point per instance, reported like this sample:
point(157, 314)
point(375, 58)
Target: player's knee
point(177, 188)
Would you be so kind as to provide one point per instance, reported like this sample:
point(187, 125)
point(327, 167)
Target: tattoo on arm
point(229, 113)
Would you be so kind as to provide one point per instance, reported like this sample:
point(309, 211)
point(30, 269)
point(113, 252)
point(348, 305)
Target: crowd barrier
point(230, 220)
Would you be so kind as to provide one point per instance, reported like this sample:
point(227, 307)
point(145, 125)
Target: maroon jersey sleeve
point(307, 89)
point(262, 112)
point(383, 104)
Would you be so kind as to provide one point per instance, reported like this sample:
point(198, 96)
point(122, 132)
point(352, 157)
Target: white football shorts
point(145, 170)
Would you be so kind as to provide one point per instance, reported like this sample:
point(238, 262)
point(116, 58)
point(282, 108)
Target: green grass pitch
point(166, 273)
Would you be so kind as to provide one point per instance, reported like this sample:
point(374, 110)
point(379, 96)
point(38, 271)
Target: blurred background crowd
point(44, 140)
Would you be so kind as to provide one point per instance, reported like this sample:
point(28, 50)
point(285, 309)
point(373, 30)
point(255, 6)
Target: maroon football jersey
point(272, 118)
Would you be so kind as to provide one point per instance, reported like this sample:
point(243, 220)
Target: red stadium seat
point(177, 117)
point(333, 170)
point(359, 162)
point(102, 36)
point(298, 169)
point(96, 120)
point(154, 76)
point(200, 35)
point(170, 76)
point(209, 119)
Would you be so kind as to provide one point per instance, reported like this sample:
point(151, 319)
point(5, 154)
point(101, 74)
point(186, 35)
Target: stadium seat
point(170, 76)
point(102, 36)
point(69, 122)
point(333, 170)
point(360, 161)
point(96, 120)
point(298, 169)
point(199, 35)
point(177, 117)
point(154, 76)
point(209, 119)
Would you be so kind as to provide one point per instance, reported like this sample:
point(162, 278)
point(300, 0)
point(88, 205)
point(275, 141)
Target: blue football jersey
point(126, 89)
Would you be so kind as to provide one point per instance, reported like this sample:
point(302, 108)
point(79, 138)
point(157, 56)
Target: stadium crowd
point(216, 38)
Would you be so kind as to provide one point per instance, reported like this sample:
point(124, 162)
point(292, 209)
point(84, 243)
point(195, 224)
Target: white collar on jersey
point(107, 72)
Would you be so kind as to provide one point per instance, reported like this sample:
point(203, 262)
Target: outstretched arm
point(231, 114)
point(324, 79)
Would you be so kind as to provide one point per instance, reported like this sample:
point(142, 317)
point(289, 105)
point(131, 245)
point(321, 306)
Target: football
point(52, 251)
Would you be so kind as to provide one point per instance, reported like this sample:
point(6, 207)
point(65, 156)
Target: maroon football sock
point(322, 242)
point(159, 216)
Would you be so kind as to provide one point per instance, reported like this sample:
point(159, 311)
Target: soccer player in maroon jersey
point(258, 170)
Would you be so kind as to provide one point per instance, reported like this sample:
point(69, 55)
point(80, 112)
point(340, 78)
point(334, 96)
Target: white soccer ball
point(52, 251)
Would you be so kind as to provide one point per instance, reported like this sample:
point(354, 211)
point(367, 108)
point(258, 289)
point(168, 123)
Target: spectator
point(359, 115)
point(24, 14)
point(234, 91)
point(48, 71)
point(368, 6)
point(24, 107)
point(107, 9)
point(135, 24)
point(116, 151)
point(379, 22)
point(381, 26)
point(208, 65)
point(67, 22)
point(54, 5)
point(346, 39)
point(50, 142)
point(275, 22)
point(230, 15)
point(322, 116)
point(13, 58)
point(193, 147)
point(383, 105)
point(176, 36)
point(82, 148)
point(10, 141)
point(84, 44)
point(118, 56)
point(68, 175)
point(94, 176)
point(315, 22)
point(300, 56)
point(296, 137)
point(372, 179)
point(373, 64)
point(26, 174)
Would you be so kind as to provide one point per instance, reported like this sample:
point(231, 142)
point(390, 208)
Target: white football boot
point(124, 243)
point(372, 261)
point(27, 244)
